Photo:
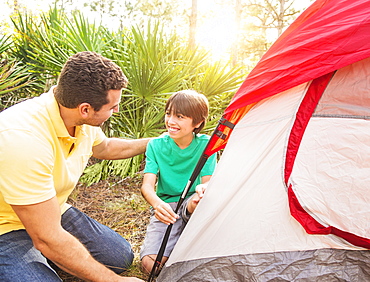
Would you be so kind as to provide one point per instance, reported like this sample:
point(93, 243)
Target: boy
point(172, 158)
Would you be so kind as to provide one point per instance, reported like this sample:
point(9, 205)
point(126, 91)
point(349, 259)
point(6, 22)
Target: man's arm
point(43, 223)
point(118, 148)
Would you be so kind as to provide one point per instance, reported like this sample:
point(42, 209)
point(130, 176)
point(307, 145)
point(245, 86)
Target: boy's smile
point(180, 128)
point(173, 129)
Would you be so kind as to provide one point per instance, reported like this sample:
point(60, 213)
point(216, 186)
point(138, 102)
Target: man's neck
point(69, 117)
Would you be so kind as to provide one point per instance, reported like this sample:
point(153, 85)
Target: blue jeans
point(20, 261)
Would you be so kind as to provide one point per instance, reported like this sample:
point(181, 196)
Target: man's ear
point(84, 109)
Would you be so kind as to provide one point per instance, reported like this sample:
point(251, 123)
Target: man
point(45, 143)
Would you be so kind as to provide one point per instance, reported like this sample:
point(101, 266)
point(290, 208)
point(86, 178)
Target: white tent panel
point(245, 209)
point(331, 172)
point(348, 92)
point(332, 167)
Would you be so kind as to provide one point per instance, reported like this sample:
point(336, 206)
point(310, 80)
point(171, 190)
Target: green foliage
point(156, 63)
point(219, 83)
point(104, 169)
point(5, 44)
point(31, 35)
point(13, 76)
point(47, 44)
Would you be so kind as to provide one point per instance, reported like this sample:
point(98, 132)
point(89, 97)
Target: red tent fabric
point(314, 45)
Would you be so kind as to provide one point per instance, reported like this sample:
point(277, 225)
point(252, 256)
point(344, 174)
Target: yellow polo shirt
point(37, 160)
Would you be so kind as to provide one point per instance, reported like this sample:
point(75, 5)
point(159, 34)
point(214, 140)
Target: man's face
point(97, 118)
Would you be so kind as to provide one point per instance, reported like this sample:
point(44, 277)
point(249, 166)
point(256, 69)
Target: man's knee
point(104, 244)
point(118, 257)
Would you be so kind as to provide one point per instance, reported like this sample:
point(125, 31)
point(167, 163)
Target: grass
point(118, 204)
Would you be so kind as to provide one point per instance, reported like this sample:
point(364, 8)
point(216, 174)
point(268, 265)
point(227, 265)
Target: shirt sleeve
point(209, 166)
point(100, 136)
point(151, 165)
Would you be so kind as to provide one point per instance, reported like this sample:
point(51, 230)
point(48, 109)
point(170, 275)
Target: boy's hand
point(164, 213)
point(200, 189)
point(194, 201)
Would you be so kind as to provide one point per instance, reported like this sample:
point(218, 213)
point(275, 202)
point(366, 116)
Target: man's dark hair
point(87, 77)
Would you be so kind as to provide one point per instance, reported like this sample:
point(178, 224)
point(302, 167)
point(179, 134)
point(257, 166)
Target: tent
point(289, 200)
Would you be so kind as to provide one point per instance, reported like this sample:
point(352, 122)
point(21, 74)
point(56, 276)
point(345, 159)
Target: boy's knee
point(147, 263)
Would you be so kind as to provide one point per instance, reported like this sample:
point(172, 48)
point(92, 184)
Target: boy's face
point(179, 127)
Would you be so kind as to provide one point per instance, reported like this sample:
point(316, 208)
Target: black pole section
point(159, 257)
point(157, 262)
point(192, 179)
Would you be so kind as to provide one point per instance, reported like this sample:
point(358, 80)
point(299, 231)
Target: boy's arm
point(205, 179)
point(200, 189)
point(162, 210)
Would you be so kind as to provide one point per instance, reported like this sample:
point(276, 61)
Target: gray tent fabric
point(314, 265)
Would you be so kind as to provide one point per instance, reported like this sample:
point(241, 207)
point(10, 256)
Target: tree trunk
point(193, 23)
point(238, 17)
point(16, 6)
point(280, 18)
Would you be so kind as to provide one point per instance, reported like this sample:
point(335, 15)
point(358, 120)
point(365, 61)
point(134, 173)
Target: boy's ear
point(199, 124)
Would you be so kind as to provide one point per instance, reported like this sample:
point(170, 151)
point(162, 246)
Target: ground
point(118, 204)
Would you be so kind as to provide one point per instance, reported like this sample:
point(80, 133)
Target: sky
point(202, 4)
point(217, 32)
point(214, 33)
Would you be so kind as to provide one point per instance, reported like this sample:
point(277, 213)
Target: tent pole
point(159, 257)
point(202, 160)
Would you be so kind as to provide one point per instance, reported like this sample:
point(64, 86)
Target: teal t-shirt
point(174, 166)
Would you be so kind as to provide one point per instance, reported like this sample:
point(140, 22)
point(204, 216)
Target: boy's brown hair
point(190, 104)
